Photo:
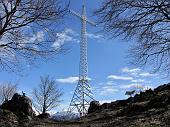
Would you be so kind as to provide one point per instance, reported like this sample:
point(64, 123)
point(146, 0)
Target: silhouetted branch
point(47, 95)
point(7, 90)
point(28, 31)
point(146, 21)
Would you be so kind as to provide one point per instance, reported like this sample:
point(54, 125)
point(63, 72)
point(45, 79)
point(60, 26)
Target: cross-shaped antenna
point(0, 20)
point(84, 2)
point(82, 95)
point(83, 16)
point(0, 25)
point(83, 44)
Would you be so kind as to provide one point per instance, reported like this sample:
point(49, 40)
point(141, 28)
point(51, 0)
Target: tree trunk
point(44, 110)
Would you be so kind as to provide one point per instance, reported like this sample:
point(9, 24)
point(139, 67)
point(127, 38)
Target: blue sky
point(110, 73)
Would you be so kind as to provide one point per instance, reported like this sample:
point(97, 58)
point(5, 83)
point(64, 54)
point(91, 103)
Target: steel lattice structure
point(0, 25)
point(82, 95)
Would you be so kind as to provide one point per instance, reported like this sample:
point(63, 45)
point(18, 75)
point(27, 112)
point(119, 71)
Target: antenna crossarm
point(91, 22)
point(76, 14)
point(82, 17)
point(83, 95)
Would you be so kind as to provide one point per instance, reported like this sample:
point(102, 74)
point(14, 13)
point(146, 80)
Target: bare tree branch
point(28, 30)
point(47, 95)
point(7, 91)
point(146, 21)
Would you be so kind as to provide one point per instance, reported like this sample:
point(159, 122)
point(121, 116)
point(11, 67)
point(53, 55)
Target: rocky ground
point(147, 109)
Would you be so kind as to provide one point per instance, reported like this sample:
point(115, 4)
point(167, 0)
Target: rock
point(149, 108)
point(94, 106)
point(136, 108)
point(104, 106)
point(8, 119)
point(44, 116)
point(158, 101)
point(120, 103)
point(144, 96)
point(19, 105)
point(162, 88)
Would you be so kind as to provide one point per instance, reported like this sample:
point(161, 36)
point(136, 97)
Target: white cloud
point(115, 77)
point(39, 36)
point(7, 53)
point(147, 74)
point(138, 80)
point(70, 31)
point(134, 72)
point(136, 86)
point(106, 101)
point(68, 80)
point(108, 89)
point(68, 35)
point(137, 72)
point(127, 70)
point(110, 83)
point(94, 36)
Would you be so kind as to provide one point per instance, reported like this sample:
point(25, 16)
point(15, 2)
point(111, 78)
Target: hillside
point(147, 109)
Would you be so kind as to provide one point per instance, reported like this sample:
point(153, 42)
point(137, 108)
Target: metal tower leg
point(81, 98)
point(82, 95)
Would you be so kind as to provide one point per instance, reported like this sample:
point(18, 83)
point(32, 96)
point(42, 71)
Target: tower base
point(82, 97)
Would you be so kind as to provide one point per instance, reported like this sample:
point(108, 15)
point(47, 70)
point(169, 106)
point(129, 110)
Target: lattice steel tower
point(82, 95)
point(0, 25)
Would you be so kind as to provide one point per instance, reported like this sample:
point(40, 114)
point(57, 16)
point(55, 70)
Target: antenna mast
point(82, 95)
point(0, 25)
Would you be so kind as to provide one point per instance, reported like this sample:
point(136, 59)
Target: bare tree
point(7, 90)
point(28, 30)
point(146, 21)
point(47, 95)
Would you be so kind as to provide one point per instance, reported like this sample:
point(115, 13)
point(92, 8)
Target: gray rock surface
point(94, 106)
point(19, 105)
point(44, 116)
point(147, 109)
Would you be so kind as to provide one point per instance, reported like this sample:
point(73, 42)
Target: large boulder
point(19, 105)
point(163, 88)
point(8, 119)
point(144, 96)
point(94, 106)
point(159, 101)
point(44, 116)
point(119, 103)
point(105, 106)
